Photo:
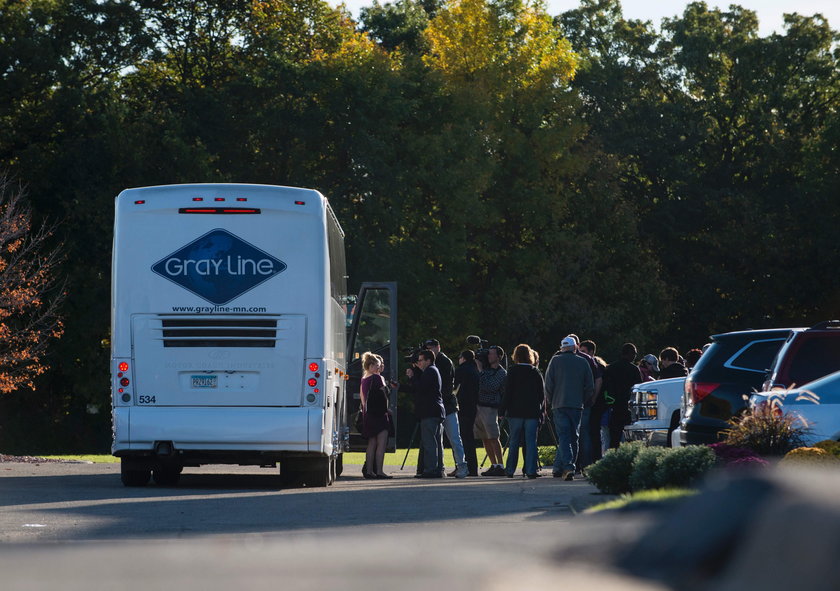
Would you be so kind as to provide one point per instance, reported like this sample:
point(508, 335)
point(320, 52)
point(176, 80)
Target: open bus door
point(374, 329)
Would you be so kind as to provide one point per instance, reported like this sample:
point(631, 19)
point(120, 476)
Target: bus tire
point(289, 476)
point(168, 476)
point(131, 475)
point(318, 473)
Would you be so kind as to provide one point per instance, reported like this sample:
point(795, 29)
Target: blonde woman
point(377, 419)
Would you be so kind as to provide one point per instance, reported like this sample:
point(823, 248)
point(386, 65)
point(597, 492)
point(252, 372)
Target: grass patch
point(96, 459)
point(643, 498)
point(350, 458)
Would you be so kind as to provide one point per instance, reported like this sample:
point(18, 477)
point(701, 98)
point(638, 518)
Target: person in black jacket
point(523, 404)
point(451, 426)
point(428, 406)
point(669, 361)
point(619, 378)
point(466, 390)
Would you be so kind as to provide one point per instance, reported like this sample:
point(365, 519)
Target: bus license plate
point(204, 381)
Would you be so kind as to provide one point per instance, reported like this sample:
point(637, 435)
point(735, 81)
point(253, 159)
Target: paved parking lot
point(75, 526)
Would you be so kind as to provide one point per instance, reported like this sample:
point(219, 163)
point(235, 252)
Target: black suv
point(808, 354)
point(731, 369)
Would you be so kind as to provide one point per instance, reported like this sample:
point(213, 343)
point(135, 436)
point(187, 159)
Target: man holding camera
point(450, 405)
point(428, 406)
point(491, 388)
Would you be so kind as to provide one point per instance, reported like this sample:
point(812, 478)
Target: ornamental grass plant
point(767, 430)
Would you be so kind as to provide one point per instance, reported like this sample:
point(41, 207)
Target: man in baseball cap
point(568, 383)
point(649, 367)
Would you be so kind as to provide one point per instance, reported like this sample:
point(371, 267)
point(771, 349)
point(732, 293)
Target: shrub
point(726, 454)
point(767, 431)
point(645, 474)
point(545, 454)
point(809, 456)
point(685, 465)
point(611, 474)
point(748, 462)
point(830, 446)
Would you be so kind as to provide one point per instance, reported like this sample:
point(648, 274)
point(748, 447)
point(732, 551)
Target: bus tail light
point(312, 393)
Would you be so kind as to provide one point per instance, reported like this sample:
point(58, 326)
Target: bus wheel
point(318, 473)
point(289, 476)
point(167, 476)
point(131, 475)
point(333, 467)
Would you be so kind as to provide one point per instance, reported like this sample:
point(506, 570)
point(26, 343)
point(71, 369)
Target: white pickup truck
point(655, 410)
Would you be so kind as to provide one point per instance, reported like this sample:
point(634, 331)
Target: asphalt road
point(74, 526)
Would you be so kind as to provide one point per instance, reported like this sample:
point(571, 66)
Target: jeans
point(584, 457)
point(567, 423)
point(518, 427)
point(465, 423)
point(453, 434)
point(431, 438)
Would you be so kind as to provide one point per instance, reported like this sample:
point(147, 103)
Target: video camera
point(483, 349)
point(413, 353)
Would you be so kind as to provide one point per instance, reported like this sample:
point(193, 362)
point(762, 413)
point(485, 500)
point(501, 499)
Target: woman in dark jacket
point(523, 405)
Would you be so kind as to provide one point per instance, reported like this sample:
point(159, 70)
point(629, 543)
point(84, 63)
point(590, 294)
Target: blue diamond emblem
point(219, 266)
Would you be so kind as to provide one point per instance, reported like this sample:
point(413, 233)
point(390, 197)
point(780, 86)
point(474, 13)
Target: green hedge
point(634, 467)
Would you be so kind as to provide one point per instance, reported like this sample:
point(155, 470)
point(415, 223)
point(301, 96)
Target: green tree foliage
point(399, 25)
point(715, 129)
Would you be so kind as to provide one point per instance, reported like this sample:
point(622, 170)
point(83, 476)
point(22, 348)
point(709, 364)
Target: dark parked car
point(807, 355)
point(728, 372)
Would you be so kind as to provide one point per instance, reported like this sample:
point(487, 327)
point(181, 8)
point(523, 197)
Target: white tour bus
point(229, 332)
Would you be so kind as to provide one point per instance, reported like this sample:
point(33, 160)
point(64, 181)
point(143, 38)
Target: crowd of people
point(581, 399)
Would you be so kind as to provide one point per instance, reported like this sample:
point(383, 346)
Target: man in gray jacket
point(568, 385)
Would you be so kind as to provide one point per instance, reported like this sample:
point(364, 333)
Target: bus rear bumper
point(137, 429)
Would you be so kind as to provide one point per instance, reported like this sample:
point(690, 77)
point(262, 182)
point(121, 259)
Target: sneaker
point(494, 471)
point(460, 472)
point(509, 474)
point(568, 475)
point(534, 475)
point(454, 474)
